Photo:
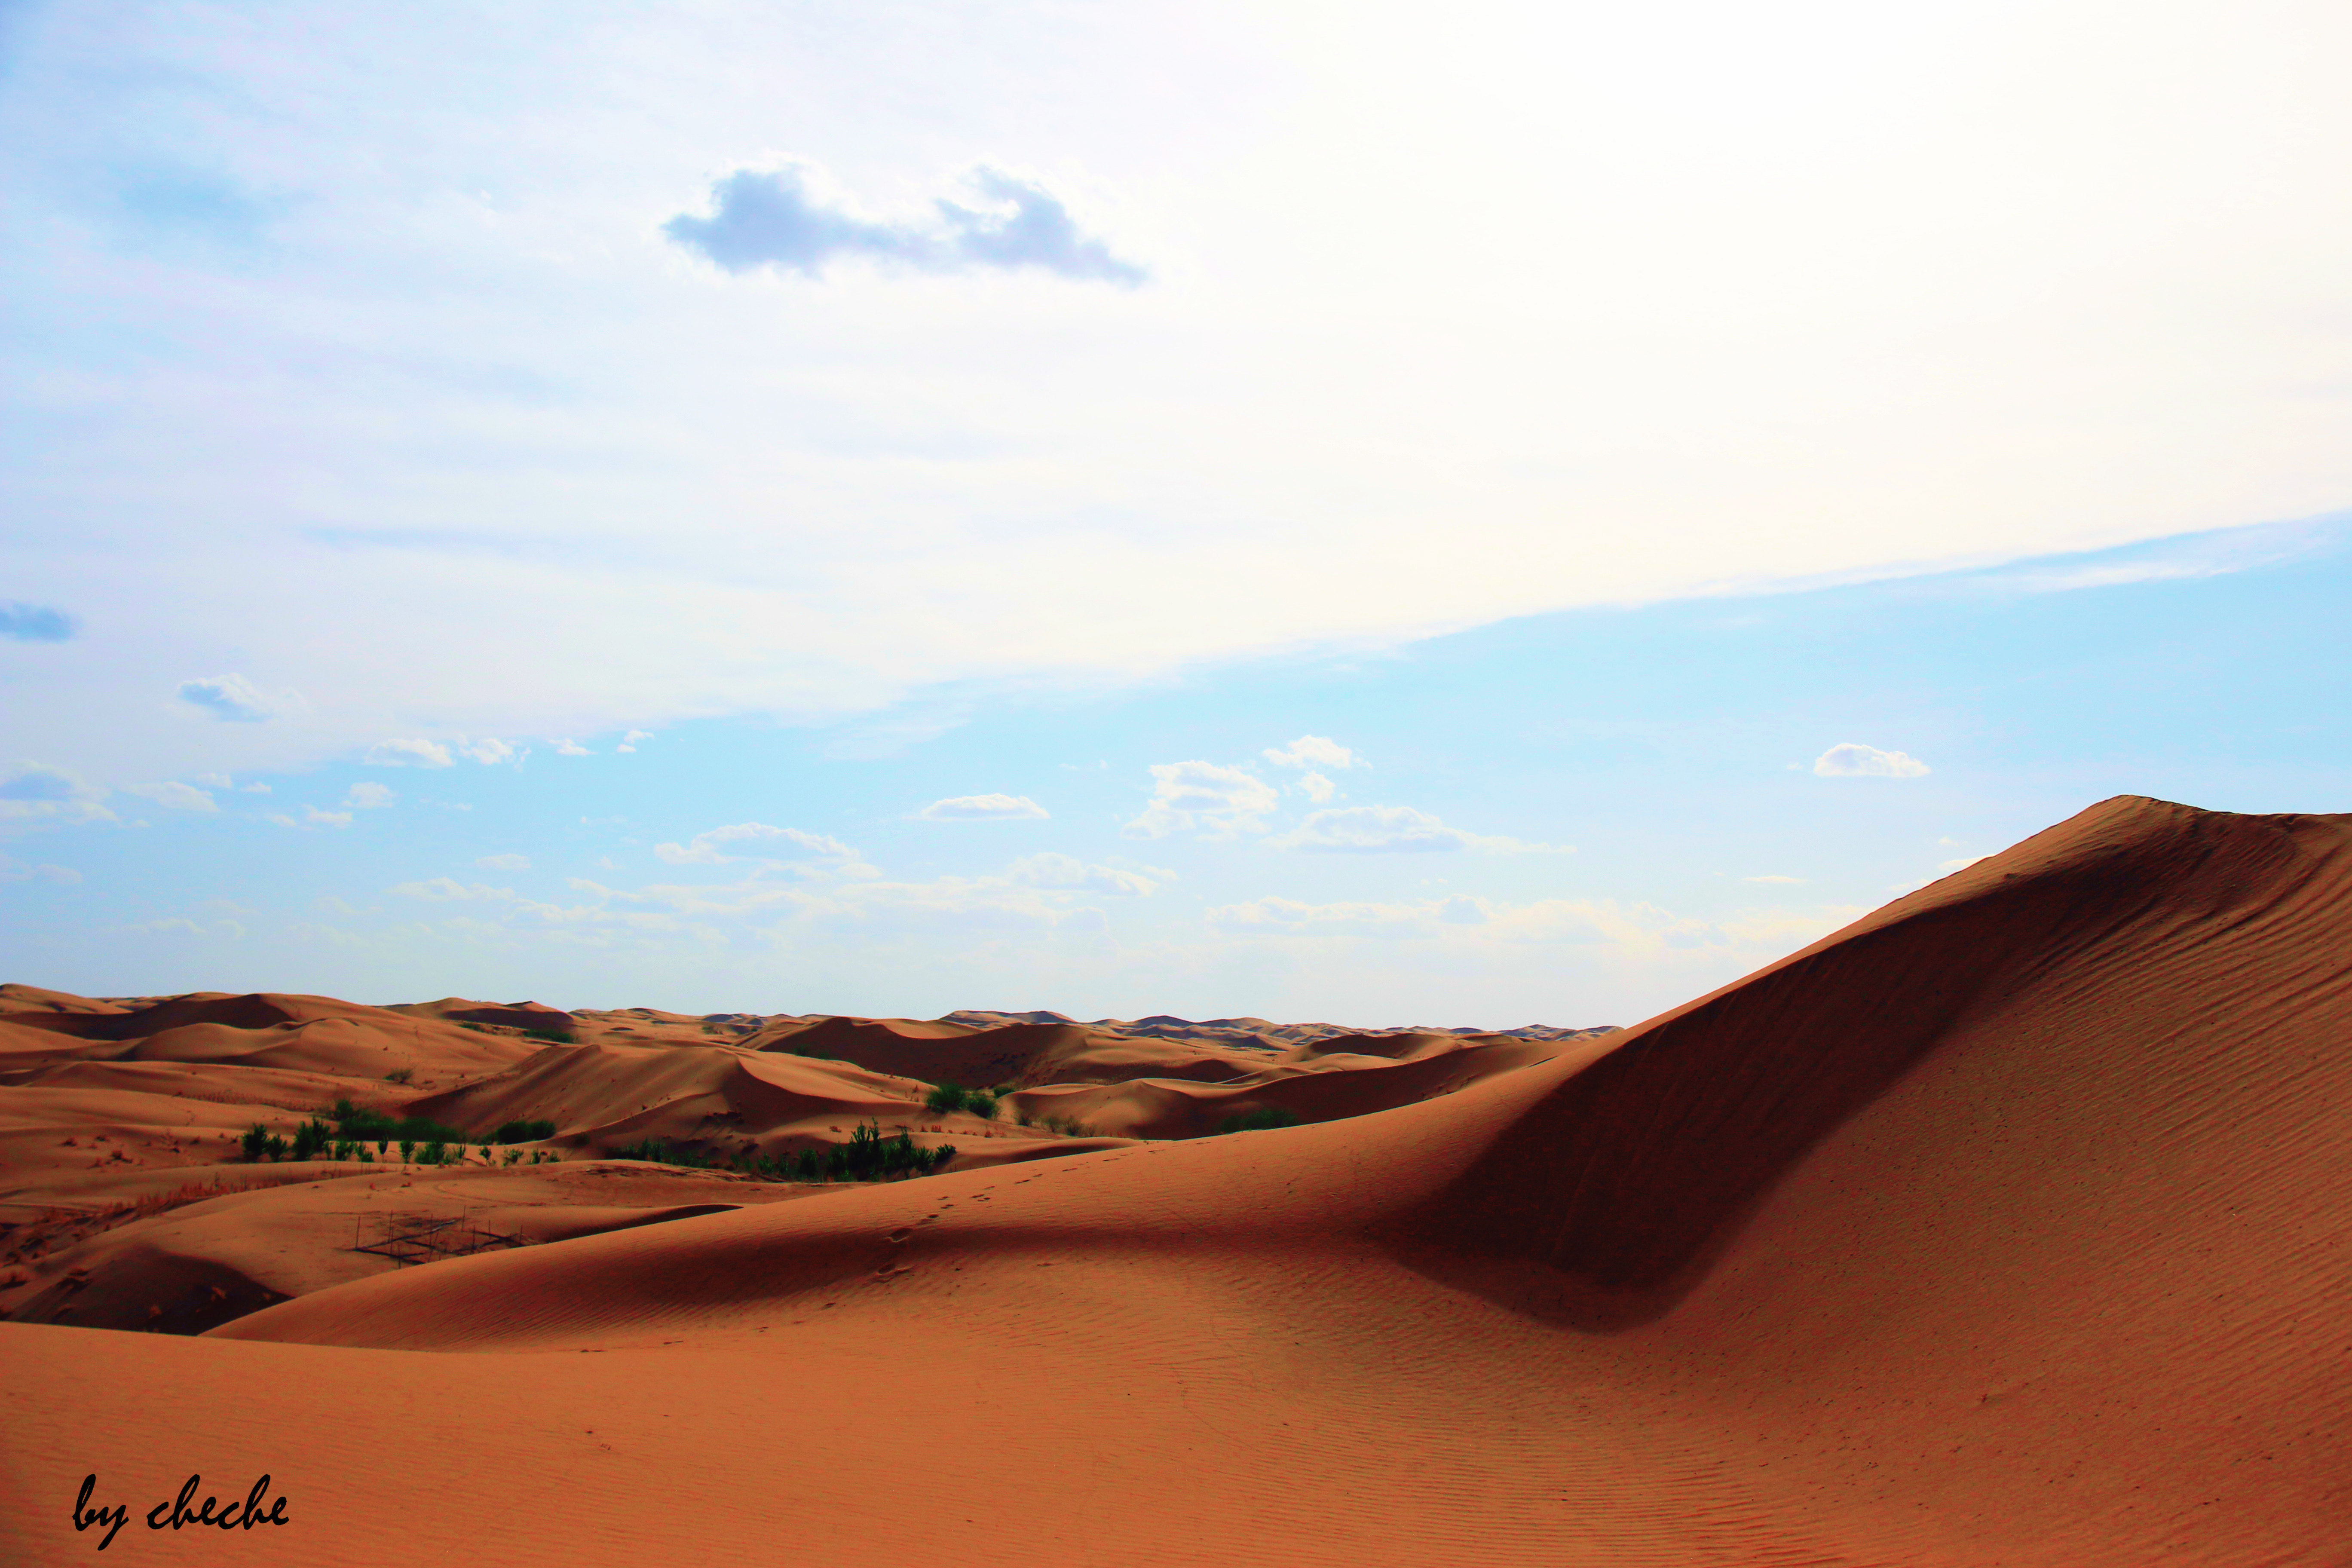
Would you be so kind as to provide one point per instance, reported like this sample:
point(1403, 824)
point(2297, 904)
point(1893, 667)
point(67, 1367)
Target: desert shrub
point(1024, 1118)
point(381, 1145)
point(524, 1131)
point(658, 1151)
point(361, 1122)
point(1262, 1119)
point(400, 1075)
point(310, 1138)
point(433, 1153)
point(345, 1149)
point(513, 1155)
point(553, 1036)
point(255, 1143)
point(276, 1147)
point(981, 1103)
point(947, 1096)
point(407, 1149)
point(477, 1028)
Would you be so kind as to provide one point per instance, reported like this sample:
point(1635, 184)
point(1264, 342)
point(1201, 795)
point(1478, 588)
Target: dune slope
point(2006, 1226)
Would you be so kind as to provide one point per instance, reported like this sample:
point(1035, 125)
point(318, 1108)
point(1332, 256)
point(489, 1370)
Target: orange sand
point(2006, 1226)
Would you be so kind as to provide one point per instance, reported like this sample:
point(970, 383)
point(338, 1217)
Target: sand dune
point(2006, 1227)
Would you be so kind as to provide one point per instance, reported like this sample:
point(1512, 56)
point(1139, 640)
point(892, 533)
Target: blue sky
point(1369, 521)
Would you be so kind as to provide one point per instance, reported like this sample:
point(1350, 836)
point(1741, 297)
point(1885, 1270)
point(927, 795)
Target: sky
point(1502, 515)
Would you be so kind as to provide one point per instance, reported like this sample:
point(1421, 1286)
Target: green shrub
point(254, 1143)
point(407, 1149)
point(947, 1096)
point(981, 1103)
point(524, 1131)
point(553, 1036)
point(276, 1147)
point(434, 1153)
point(1262, 1119)
point(400, 1075)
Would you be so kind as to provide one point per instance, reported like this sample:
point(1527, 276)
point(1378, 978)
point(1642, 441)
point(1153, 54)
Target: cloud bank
point(780, 218)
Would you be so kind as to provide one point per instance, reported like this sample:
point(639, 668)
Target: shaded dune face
point(2140, 952)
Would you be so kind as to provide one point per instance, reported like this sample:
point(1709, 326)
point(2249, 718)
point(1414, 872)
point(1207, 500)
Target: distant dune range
point(2008, 1226)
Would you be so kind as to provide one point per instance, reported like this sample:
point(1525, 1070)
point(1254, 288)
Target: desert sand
point(2008, 1226)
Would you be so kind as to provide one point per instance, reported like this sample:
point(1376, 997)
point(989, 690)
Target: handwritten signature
point(233, 1516)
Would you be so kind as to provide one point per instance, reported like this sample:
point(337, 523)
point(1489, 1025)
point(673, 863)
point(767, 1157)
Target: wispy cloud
point(231, 698)
point(1394, 829)
point(370, 796)
point(409, 754)
point(1852, 761)
point(38, 790)
point(312, 817)
point(504, 862)
point(982, 808)
point(704, 849)
point(35, 623)
point(786, 219)
point(1314, 751)
point(177, 797)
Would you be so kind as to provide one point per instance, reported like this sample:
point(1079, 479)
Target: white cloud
point(233, 698)
point(1318, 788)
point(312, 817)
point(1791, 881)
point(18, 872)
point(703, 849)
point(629, 741)
point(408, 754)
point(370, 796)
point(504, 862)
point(982, 808)
point(572, 749)
point(1391, 829)
point(488, 752)
point(449, 889)
point(1313, 751)
point(1851, 761)
point(177, 797)
point(1196, 796)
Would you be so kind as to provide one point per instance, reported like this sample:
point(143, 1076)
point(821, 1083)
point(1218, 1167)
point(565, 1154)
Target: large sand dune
point(2009, 1226)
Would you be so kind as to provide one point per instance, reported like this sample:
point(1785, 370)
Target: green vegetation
point(1068, 1126)
point(400, 1075)
point(1264, 1119)
point(407, 1149)
point(950, 1098)
point(553, 1036)
point(867, 1157)
point(255, 1143)
point(359, 1123)
point(659, 1151)
point(310, 1138)
point(524, 1131)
